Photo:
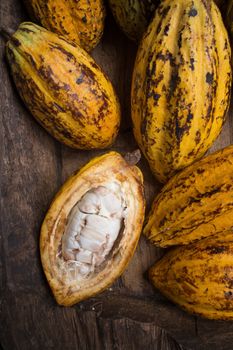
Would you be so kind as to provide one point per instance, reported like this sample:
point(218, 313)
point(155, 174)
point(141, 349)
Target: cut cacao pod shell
point(92, 228)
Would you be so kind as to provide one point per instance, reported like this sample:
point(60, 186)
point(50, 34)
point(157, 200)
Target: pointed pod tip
point(132, 158)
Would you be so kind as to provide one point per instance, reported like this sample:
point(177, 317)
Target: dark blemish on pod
point(58, 107)
point(228, 281)
point(94, 65)
point(198, 137)
point(84, 19)
point(31, 60)
point(166, 57)
point(166, 29)
point(86, 71)
point(179, 131)
point(47, 74)
point(192, 64)
point(143, 127)
point(192, 12)
point(200, 171)
point(165, 11)
point(68, 55)
point(228, 295)
point(175, 80)
point(190, 117)
point(15, 41)
point(194, 200)
point(155, 96)
point(79, 80)
point(159, 28)
point(226, 45)
point(26, 30)
point(216, 250)
point(208, 114)
point(103, 110)
point(66, 87)
point(209, 78)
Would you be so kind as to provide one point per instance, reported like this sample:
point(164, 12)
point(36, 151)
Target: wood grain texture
point(130, 314)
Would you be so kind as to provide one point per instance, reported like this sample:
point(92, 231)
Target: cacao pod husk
point(181, 85)
point(194, 204)
point(81, 22)
point(133, 16)
point(199, 277)
point(63, 88)
point(68, 284)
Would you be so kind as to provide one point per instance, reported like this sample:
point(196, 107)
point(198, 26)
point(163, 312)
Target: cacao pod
point(196, 203)
point(199, 277)
point(181, 84)
point(81, 22)
point(133, 16)
point(92, 228)
point(63, 88)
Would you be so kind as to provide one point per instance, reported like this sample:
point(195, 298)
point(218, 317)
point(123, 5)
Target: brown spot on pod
point(209, 78)
point(192, 12)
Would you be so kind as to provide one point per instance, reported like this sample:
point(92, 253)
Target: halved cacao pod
point(63, 88)
point(196, 203)
point(92, 228)
point(81, 22)
point(198, 277)
point(181, 84)
point(133, 16)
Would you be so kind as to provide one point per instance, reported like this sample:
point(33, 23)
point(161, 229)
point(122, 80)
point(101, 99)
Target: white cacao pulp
point(93, 226)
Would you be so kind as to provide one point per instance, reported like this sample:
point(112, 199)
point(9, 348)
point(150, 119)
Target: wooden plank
point(130, 314)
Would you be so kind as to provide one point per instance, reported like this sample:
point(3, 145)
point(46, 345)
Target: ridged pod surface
point(81, 22)
point(199, 277)
point(181, 84)
point(109, 171)
point(63, 88)
point(133, 16)
point(196, 203)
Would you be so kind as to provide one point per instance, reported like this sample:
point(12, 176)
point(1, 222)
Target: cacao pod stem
point(6, 34)
point(132, 158)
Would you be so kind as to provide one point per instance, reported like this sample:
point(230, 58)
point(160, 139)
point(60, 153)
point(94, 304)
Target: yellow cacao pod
point(92, 228)
point(196, 203)
point(133, 16)
point(81, 22)
point(181, 84)
point(198, 277)
point(63, 88)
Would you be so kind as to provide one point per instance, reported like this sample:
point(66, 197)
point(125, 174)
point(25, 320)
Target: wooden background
point(130, 314)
